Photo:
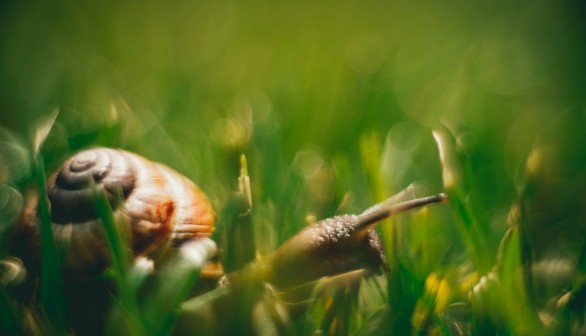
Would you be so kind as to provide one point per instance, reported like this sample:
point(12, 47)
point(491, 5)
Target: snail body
point(336, 251)
point(336, 245)
point(160, 207)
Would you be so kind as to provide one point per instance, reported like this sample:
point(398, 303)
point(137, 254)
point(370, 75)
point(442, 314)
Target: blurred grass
point(333, 105)
point(51, 283)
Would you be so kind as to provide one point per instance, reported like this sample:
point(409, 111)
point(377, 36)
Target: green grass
point(335, 106)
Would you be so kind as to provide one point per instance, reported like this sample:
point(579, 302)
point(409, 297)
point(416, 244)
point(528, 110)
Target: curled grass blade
point(472, 226)
point(239, 231)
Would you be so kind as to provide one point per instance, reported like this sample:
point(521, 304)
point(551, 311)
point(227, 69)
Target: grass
point(335, 107)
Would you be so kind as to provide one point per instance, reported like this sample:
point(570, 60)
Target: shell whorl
point(160, 206)
point(69, 190)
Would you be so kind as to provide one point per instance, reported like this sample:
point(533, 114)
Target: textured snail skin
point(161, 207)
point(329, 247)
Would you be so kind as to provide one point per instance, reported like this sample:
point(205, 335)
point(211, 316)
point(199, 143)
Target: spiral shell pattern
point(68, 190)
point(160, 206)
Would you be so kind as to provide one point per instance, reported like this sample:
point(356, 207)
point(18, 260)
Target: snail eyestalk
point(375, 214)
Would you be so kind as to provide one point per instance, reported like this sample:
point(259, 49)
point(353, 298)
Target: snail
point(162, 208)
point(164, 212)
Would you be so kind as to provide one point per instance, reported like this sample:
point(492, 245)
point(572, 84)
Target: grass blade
point(240, 226)
point(121, 257)
point(174, 283)
point(52, 294)
point(471, 224)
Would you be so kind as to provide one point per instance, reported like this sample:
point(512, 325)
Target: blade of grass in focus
point(472, 225)
point(240, 245)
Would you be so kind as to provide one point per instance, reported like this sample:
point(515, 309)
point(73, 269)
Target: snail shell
point(161, 207)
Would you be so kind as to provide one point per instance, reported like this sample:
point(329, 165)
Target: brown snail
point(161, 207)
point(164, 210)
